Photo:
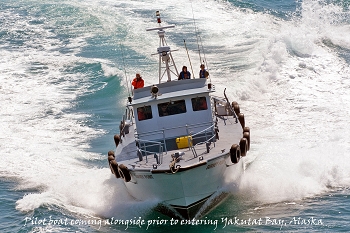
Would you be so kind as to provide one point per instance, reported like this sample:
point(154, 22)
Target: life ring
point(113, 165)
point(246, 135)
point(243, 144)
point(116, 140)
point(124, 172)
point(241, 119)
point(235, 153)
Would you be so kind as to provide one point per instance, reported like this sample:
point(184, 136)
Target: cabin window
point(172, 108)
point(199, 103)
point(144, 113)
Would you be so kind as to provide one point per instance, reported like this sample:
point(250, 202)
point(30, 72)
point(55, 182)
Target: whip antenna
point(189, 59)
point(205, 60)
point(126, 78)
point(195, 29)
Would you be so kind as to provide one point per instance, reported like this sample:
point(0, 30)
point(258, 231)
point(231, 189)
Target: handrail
point(212, 126)
point(144, 149)
point(144, 144)
point(209, 129)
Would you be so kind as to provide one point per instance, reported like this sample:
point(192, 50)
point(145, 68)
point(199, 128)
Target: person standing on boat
point(138, 81)
point(184, 74)
point(203, 73)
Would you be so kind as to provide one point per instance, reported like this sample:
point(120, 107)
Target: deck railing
point(144, 144)
point(208, 134)
point(147, 147)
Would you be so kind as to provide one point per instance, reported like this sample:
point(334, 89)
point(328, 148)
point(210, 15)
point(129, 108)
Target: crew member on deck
point(203, 73)
point(138, 81)
point(184, 74)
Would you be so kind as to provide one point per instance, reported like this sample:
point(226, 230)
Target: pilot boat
point(179, 143)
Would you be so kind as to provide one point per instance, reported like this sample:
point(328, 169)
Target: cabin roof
point(170, 90)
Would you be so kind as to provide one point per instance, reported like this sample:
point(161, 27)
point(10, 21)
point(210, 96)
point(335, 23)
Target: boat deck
point(230, 132)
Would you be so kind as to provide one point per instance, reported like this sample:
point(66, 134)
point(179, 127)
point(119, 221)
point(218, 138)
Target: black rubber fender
point(243, 144)
point(114, 168)
point(116, 140)
point(241, 119)
point(235, 153)
point(111, 155)
point(246, 129)
point(124, 172)
point(236, 109)
point(246, 135)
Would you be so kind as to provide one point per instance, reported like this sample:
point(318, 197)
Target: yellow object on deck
point(184, 142)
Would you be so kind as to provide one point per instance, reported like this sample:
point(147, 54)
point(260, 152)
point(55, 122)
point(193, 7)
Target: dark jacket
point(184, 74)
point(203, 74)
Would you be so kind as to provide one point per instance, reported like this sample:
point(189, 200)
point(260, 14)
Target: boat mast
point(164, 51)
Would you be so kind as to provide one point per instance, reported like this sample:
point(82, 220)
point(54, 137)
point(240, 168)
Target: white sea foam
point(43, 143)
point(299, 127)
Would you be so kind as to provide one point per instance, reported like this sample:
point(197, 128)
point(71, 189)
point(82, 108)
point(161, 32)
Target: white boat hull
point(186, 187)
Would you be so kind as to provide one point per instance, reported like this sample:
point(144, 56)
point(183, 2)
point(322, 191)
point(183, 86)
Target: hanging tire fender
point(243, 144)
point(116, 140)
point(235, 153)
point(111, 155)
point(233, 103)
point(246, 135)
point(124, 173)
point(246, 129)
point(113, 165)
point(236, 109)
point(241, 119)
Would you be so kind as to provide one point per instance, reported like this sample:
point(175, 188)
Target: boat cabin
point(174, 114)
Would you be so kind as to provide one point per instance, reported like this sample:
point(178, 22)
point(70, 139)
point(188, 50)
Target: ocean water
point(65, 69)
